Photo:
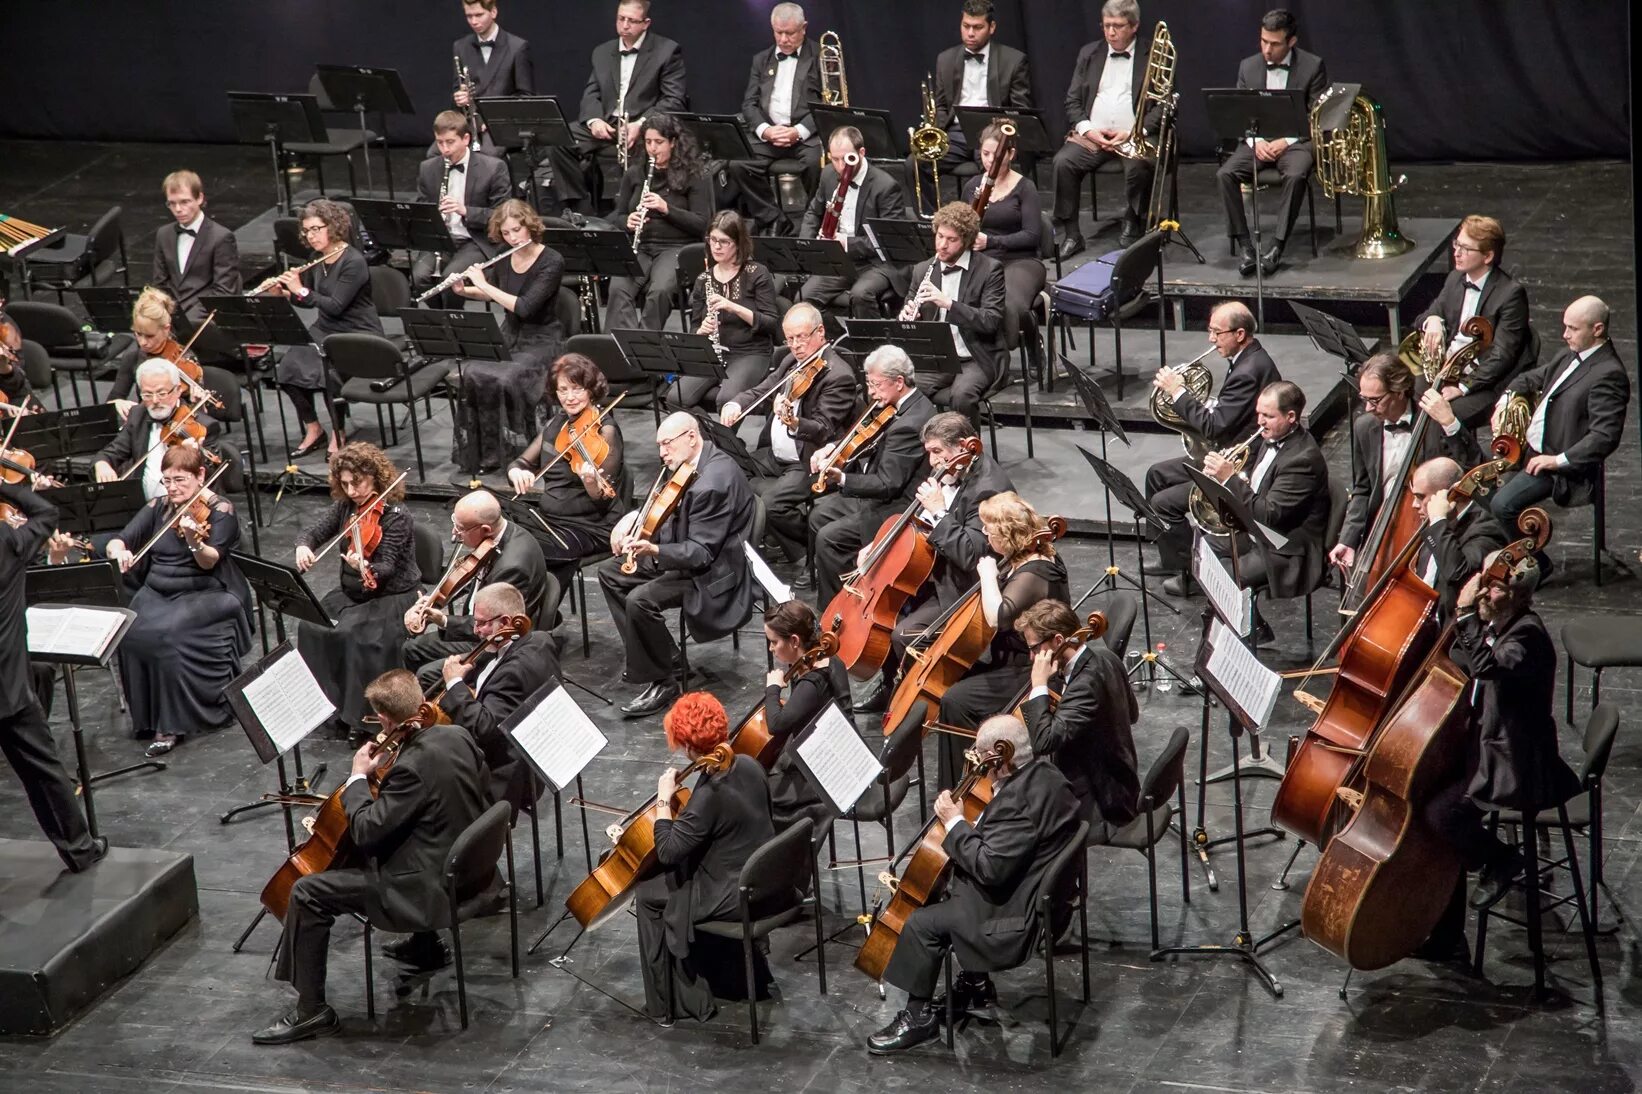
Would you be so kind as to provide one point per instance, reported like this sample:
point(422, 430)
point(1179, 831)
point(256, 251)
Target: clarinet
point(909, 310)
point(644, 211)
point(444, 192)
point(711, 290)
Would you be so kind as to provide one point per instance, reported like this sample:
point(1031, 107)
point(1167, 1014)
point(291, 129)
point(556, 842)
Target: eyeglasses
point(720, 241)
point(674, 439)
point(794, 339)
point(172, 480)
point(1466, 249)
point(1372, 401)
point(1217, 332)
point(310, 229)
point(158, 396)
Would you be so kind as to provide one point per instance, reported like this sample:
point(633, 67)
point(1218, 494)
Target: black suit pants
point(961, 391)
point(646, 301)
point(986, 690)
point(742, 371)
point(915, 966)
point(425, 653)
point(835, 530)
point(1168, 488)
point(1294, 167)
point(637, 602)
point(786, 508)
point(1074, 163)
point(865, 292)
point(692, 996)
point(27, 742)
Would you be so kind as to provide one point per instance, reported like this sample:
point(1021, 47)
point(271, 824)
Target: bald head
point(1438, 474)
point(479, 507)
point(1585, 323)
point(678, 438)
point(499, 598)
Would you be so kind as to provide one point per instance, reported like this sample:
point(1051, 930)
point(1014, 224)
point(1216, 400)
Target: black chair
point(430, 553)
point(787, 186)
point(1601, 642)
point(79, 260)
point(344, 143)
point(1014, 342)
point(1267, 177)
point(768, 896)
point(374, 371)
point(36, 366)
point(1162, 796)
point(468, 870)
point(1132, 273)
point(692, 260)
point(623, 378)
point(58, 331)
point(390, 291)
point(1121, 610)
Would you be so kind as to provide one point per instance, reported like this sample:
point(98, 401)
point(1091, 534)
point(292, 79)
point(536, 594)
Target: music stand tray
point(440, 333)
point(405, 225)
point(75, 431)
point(666, 355)
point(883, 139)
point(929, 343)
point(282, 590)
point(724, 437)
point(595, 252)
point(1031, 135)
point(95, 584)
point(109, 307)
point(361, 89)
point(721, 136)
point(1333, 335)
point(87, 508)
point(259, 320)
point(900, 242)
point(277, 120)
point(804, 257)
point(526, 122)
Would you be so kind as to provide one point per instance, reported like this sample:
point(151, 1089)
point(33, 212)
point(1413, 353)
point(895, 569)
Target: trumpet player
point(873, 192)
point(782, 83)
point(965, 288)
point(498, 63)
point(468, 186)
point(665, 200)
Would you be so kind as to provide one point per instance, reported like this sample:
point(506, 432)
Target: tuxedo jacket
point(18, 546)
point(1504, 303)
point(521, 668)
point(1585, 418)
point(880, 199)
point(889, 473)
point(806, 89)
point(1293, 500)
point(958, 540)
point(519, 562)
point(1086, 73)
point(213, 266)
point(977, 309)
point(487, 188)
point(1088, 734)
point(435, 789)
point(1008, 80)
point(132, 441)
point(508, 72)
point(1232, 417)
point(1461, 545)
point(825, 410)
point(1306, 71)
point(704, 538)
point(657, 83)
point(1367, 484)
point(705, 845)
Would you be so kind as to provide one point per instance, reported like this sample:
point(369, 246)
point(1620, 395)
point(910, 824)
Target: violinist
point(701, 849)
point(733, 302)
point(578, 501)
point(790, 630)
point(151, 335)
point(1512, 758)
point(14, 380)
point(365, 642)
point(1454, 543)
point(195, 256)
point(876, 484)
point(795, 428)
point(437, 632)
point(406, 824)
point(481, 693)
point(990, 918)
point(691, 558)
point(193, 610)
point(1088, 732)
point(144, 439)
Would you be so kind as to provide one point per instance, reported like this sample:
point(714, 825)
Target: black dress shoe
point(1131, 233)
point(803, 580)
point(1180, 585)
point(876, 700)
point(1248, 261)
point(1495, 882)
point(904, 1033)
point(308, 449)
point(1271, 259)
point(292, 1027)
point(422, 952)
point(1443, 951)
point(99, 851)
point(1070, 247)
point(1263, 634)
point(652, 700)
point(968, 993)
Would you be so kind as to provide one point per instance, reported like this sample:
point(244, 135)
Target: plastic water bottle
point(1162, 683)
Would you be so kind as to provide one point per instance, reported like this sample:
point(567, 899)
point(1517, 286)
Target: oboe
point(715, 317)
point(644, 210)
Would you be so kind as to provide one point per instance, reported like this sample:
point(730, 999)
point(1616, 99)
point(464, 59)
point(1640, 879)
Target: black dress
point(747, 349)
point(341, 294)
point(1013, 225)
point(501, 402)
point(665, 234)
point(192, 626)
point(568, 522)
point(370, 627)
point(792, 795)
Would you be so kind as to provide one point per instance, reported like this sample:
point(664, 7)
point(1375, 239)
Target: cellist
point(407, 819)
point(999, 867)
point(790, 630)
point(1454, 542)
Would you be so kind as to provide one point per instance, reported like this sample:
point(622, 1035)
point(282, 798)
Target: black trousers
point(1452, 814)
point(865, 291)
point(985, 691)
point(692, 996)
point(1474, 409)
point(1168, 488)
point(835, 529)
point(1023, 280)
point(742, 371)
point(960, 391)
point(1294, 166)
point(915, 966)
point(645, 301)
point(786, 508)
point(755, 187)
point(427, 269)
point(1073, 163)
point(637, 602)
point(425, 653)
point(27, 742)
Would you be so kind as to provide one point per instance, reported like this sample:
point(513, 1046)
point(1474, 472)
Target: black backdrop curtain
point(1459, 79)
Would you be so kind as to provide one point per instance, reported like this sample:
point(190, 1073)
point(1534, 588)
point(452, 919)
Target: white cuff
point(803, 133)
point(351, 780)
point(1175, 398)
point(1038, 692)
point(759, 132)
point(1084, 127)
point(1453, 428)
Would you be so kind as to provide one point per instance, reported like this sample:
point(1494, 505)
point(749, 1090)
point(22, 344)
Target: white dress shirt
point(488, 44)
point(484, 673)
point(1114, 105)
point(627, 64)
point(185, 242)
point(782, 443)
point(1536, 424)
point(459, 191)
point(972, 92)
point(781, 95)
point(1277, 79)
point(1470, 302)
point(1394, 446)
point(847, 224)
point(1428, 567)
point(1268, 456)
point(152, 487)
point(949, 286)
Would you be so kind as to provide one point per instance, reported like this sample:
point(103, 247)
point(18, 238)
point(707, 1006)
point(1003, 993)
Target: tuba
point(1352, 160)
point(1202, 512)
point(929, 143)
point(1200, 383)
point(1157, 87)
point(835, 88)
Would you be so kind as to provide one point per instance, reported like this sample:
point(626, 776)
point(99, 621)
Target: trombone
point(929, 143)
point(835, 88)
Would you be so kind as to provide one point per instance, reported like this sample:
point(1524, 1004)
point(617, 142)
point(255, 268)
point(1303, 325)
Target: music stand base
point(1242, 948)
point(146, 765)
point(1261, 764)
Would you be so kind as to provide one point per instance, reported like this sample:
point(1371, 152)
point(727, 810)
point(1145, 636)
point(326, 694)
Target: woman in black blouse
point(339, 289)
point(677, 207)
point(1011, 227)
point(789, 628)
point(741, 307)
point(573, 516)
point(500, 402)
point(369, 622)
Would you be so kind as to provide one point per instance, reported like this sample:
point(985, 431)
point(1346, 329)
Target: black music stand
point(1242, 116)
point(721, 136)
point(453, 334)
point(109, 306)
point(263, 321)
point(804, 257)
point(406, 226)
point(277, 120)
point(928, 342)
point(1031, 135)
point(362, 89)
point(900, 242)
point(594, 253)
point(60, 434)
point(879, 134)
point(1337, 338)
point(725, 438)
point(87, 508)
point(527, 123)
point(666, 355)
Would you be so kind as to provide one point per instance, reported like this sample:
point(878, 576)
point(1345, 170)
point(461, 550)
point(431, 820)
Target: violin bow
point(598, 419)
point(171, 522)
point(157, 445)
point(348, 528)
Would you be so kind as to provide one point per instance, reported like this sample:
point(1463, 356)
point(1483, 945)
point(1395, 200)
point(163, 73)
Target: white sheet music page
point(72, 631)
point(1251, 685)
point(772, 585)
point(288, 701)
point(1232, 603)
point(840, 761)
point(559, 738)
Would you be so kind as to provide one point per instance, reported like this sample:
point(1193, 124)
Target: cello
point(1383, 882)
point(752, 736)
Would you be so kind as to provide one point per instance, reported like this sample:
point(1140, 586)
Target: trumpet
point(643, 210)
point(1199, 510)
point(310, 264)
point(835, 88)
point(909, 310)
point(452, 279)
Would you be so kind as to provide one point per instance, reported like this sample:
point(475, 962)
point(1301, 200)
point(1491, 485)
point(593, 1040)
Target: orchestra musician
point(784, 80)
point(1280, 65)
point(497, 62)
point(790, 630)
point(160, 391)
point(740, 312)
point(668, 193)
point(795, 429)
point(192, 614)
point(1011, 229)
point(634, 76)
point(25, 737)
point(194, 256)
point(693, 560)
point(965, 288)
point(1454, 544)
point(366, 639)
point(433, 791)
point(873, 193)
point(1384, 432)
point(1478, 286)
point(1101, 102)
point(1512, 762)
point(516, 559)
point(576, 508)
point(999, 867)
point(468, 186)
point(339, 290)
point(701, 850)
point(482, 695)
point(1579, 413)
point(499, 405)
point(151, 333)
point(1088, 732)
point(977, 72)
point(878, 483)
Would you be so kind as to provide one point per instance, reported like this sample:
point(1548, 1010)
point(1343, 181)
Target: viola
point(581, 441)
point(11, 339)
point(752, 736)
point(658, 507)
point(367, 536)
point(462, 569)
point(798, 384)
point(178, 429)
point(862, 436)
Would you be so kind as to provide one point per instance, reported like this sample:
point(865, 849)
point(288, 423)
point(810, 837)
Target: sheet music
point(288, 701)
point(1251, 685)
point(71, 631)
point(1233, 604)
point(772, 585)
point(559, 738)
point(838, 760)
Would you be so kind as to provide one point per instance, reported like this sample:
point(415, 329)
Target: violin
point(581, 441)
point(365, 531)
point(511, 627)
point(602, 895)
point(862, 436)
point(752, 736)
point(177, 430)
point(462, 569)
point(798, 384)
point(658, 507)
point(197, 510)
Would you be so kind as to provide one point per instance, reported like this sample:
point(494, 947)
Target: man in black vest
point(782, 83)
point(467, 185)
point(965, 288)
point(194, 256)
point(873, 194)
point(999, 868)
point(1454, 543)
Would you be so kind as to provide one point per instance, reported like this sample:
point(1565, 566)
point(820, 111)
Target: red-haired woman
point(702, 850)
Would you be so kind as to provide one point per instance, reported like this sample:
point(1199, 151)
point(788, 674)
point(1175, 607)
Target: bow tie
point(1472, 286)
point(458, 167)
point(1120, 53)
point(487, 45)
point(779, 57)
point(1403, 426)
point(948, 270)
point(628, 52)
point(1285, 65)
point(974, 56)
point(187, 231)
